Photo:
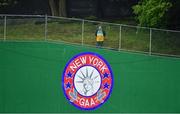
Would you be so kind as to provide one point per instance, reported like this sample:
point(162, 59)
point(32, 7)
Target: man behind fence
point(100, 35)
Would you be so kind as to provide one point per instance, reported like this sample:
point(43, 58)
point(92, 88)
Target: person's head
point(100, 28)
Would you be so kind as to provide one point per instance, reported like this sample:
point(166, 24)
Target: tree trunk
point(62, 8)
point(100, 12)
point(53, 7)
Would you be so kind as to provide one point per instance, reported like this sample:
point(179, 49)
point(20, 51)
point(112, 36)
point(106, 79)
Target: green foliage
point(151, 12)
point(4, 3)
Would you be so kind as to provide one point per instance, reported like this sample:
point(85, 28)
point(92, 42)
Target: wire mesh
point(135, 38)
point(73, 30)
point(64, 30)
point(166, 42)
point(25, 28)
point(112, 34)
point(1, 27)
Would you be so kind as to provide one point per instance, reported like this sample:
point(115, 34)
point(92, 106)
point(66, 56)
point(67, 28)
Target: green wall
point(30, 79)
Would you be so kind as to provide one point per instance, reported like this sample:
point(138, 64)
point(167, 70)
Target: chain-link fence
point(111, 38)
point(66, 30)
point(166, 42)
point(79, 31)
point(25, 27)
point(135, 38)
point(2, 27)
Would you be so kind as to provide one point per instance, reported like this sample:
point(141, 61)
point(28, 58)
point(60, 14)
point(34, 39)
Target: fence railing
point(80, 31)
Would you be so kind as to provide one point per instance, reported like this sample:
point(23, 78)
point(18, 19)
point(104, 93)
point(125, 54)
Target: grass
point(132, 38)
point(135, 39)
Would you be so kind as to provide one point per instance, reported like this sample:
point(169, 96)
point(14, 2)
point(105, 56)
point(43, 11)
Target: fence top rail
point(92, 21)
point(165, 30)
point(14, 15)
point(115, 24)
point(75, 19)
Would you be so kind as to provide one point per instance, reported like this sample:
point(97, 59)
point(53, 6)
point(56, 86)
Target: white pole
point(82, 33)
point(150, 42)
point(120, 36)
point(45, 28)
point(5, 28)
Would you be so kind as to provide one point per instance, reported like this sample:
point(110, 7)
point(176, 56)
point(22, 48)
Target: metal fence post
point(150, 41)
point(82, 33)
point(120, 37)
point(5, 27)
point(45, 28)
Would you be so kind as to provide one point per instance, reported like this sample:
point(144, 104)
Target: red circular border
point(96, 61)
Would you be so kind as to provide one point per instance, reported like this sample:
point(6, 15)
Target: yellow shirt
point(100, 36)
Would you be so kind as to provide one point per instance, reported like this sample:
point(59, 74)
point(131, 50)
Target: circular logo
point(87, 81)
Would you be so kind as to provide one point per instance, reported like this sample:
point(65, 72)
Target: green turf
point(30, 79)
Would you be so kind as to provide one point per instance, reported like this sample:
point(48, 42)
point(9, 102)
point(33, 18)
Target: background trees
point(151, 12)
point(58, 7)
point(5, 3)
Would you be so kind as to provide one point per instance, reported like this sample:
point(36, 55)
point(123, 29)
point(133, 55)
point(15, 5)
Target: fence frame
point(150, 41)
point(45, 28)
point(82, 33)
point(120, 36)
point(5, 27)
point(46, 17)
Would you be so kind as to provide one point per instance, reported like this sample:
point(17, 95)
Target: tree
point(5, 3)
point(58, 7)
point(173, 15)
point(151, 12)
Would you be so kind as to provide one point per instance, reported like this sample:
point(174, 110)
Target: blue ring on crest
point(63, 74)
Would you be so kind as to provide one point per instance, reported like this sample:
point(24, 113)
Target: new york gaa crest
point(87, 81)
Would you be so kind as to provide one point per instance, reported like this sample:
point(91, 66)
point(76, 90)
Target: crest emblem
point(87, 81)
